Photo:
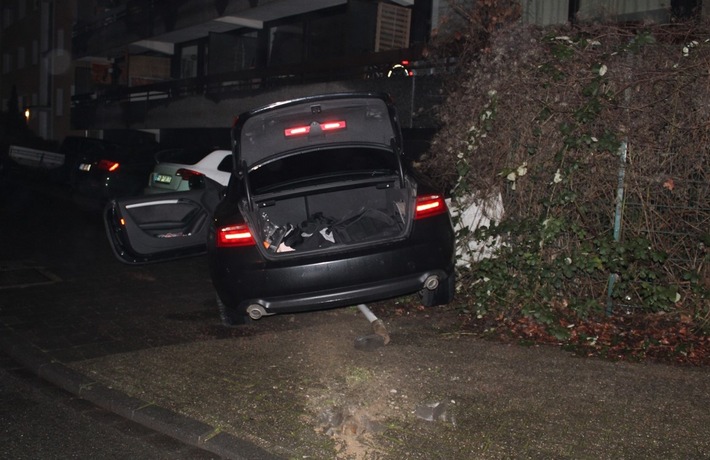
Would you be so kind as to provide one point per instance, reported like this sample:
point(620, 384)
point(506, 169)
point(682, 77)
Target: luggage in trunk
point(332, 218)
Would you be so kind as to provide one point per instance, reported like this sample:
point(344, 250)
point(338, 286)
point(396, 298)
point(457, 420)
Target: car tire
point(442, 295)
point(229, 317)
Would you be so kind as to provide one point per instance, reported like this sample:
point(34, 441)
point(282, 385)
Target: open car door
point(160, 227)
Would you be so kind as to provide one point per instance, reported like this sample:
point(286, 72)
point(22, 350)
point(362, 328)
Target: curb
point(167, 422)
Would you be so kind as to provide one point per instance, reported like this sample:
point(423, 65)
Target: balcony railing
point(371, 66)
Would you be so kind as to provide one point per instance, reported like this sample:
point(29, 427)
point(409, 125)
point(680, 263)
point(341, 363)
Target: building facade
point(37, 64)
point(167, 66)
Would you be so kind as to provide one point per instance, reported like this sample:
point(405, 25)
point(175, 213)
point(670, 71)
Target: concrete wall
point(545, 12)
point(625, 10)
point(548, 12)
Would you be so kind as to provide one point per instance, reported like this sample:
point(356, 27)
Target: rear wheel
point(229, 317)
point(442, 295)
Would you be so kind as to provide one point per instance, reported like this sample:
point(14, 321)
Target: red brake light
point(326, 126)
point(108, 165)
point(429, 205)
point(297, 131)
point(332, 125)
point(235, 235)
point(186, 174)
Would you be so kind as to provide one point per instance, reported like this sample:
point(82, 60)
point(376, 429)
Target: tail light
point(234, 236)
point(429, 205)
point(186, 174)
point(107, 165)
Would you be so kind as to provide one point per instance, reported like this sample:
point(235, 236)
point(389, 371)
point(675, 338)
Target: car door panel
point(155, 228)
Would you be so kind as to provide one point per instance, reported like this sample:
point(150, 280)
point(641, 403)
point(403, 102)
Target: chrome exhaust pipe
point(256, 311)
point(432, 282)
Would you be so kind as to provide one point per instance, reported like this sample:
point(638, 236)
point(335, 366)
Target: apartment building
point(37, 64)
point(167, 66)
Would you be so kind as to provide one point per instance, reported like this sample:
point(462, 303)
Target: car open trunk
point(322, 174)
point(332, 216)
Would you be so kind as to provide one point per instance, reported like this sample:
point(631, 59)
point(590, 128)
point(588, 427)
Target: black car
point(103, 170)
point(321, 212)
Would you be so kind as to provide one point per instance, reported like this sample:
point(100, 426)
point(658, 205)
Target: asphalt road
point(39, 420)
point(54, 259)
point(62, 286)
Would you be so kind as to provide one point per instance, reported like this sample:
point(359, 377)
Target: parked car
point(176, 167)
point(110, 170)
point(322, 211)
point(77, 149)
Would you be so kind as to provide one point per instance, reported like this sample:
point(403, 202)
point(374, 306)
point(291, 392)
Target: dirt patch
point(298, 387)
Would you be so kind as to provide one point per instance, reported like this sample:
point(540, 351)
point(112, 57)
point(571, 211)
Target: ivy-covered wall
point(596, 137)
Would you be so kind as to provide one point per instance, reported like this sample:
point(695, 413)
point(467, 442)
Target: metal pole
point(377, 325)
point(613, 277)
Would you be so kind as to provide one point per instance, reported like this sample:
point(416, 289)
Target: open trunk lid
point(316, 121)
point(324, 173)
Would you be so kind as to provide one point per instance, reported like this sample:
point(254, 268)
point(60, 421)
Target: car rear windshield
point(322, 166)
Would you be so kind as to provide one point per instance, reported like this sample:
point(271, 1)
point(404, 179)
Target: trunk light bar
point(332, 125)
point(306, 129)
point(234, 236)
point(429, 205)
point(297, 131)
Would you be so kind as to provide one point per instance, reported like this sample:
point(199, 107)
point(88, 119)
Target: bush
point(596, 137)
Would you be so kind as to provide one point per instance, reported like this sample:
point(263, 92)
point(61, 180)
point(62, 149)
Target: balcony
point(139, 25)
point(213, 101)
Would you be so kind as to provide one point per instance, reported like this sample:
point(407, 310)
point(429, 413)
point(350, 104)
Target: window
point(7, 17)
point(286, 45)
point(188, 62)
point(6, 63)
point(326, 37)
point(60, 39)
point(232, 52)
point(59, 103)
point(20, 57)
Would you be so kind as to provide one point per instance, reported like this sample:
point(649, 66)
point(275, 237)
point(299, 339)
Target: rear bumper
point(344, 296)
point(319, 283)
